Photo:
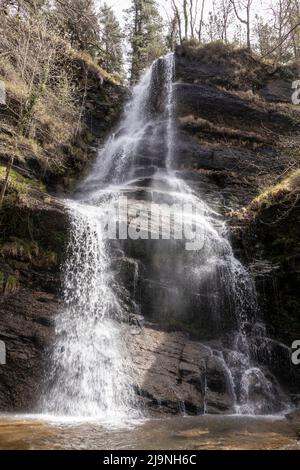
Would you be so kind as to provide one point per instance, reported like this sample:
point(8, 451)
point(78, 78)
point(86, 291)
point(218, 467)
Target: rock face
point(26, 327)
point(30, 297)
point(229, 126)
point(237, 136)
point(34, 231)
point(232, 128)
point(173, 374)
point(274, 228)
point(228, 130)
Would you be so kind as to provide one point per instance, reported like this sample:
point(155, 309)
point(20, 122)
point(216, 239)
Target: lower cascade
point(92, 370)
point(91, 373)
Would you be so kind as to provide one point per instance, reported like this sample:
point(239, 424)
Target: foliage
point(144, 27)
point(78, 23)
point(112, 41)
point(46, 82)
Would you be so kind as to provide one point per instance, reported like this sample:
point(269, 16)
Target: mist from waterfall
point(91, 369)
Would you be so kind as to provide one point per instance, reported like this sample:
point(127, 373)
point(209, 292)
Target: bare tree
point(265, 36)
point(186, 18)
point(294, 21)
point(243, 7)
point(285, 20)
point(281, 10)
point(193, 15)
point(226, 11)
point(186, 13)
point(219, 20)
point(201, 21)
point(177, 17)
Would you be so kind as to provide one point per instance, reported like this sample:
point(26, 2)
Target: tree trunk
point(5, 183)
point(248, 27)
point(201, 21)
point(186, 19)
point(178, 19)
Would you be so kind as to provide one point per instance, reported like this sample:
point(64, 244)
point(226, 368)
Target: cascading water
point(91, 373)
point(252, 390)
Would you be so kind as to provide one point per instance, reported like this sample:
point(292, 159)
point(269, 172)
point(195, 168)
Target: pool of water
point(190, 433)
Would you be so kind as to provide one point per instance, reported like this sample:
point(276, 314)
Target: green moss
point(20, 183)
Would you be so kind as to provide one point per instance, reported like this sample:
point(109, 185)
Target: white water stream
point(91, 369)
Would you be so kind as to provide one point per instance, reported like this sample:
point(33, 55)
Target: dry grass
point(45, 81)
point(20, 184)
point(287, 189)
point(91, 65)
point(217, 51)
point(239, 68)
point(203, 125)
point(42, 97)
point(28, 251)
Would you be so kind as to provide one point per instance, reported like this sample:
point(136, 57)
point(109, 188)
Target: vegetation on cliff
point(273, 218)
point(60, 102)
point(45, 125)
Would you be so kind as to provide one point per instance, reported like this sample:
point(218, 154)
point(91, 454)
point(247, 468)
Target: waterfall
point(91, 370)
point(169, 78)
point(91, 373)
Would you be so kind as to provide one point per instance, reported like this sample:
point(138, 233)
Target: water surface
point(191, 433)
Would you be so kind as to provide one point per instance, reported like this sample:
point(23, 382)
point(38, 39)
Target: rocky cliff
point(237, 145)
point(238, 134)
point(34, 229)
point(240, 145)
point(247, 131)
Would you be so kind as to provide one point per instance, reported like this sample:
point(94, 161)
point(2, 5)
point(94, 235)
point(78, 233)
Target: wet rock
point(27, 314)
point(219, 396)
point(26, 327)
point(174, 374)
point(228, 129)
point(226, 147)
